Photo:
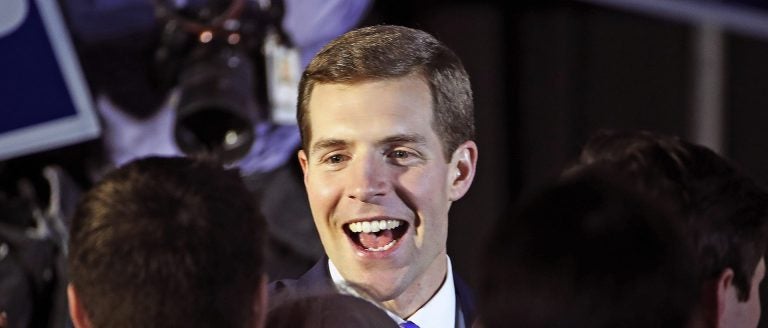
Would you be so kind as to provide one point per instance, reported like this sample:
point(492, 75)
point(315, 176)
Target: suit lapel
point(465, 300)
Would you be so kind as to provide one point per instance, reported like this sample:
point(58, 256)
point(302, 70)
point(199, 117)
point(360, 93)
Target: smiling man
point(386, 118)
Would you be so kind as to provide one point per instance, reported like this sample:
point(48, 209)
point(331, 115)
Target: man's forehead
point(371, 112)
point(409, 83)
point(407, 98)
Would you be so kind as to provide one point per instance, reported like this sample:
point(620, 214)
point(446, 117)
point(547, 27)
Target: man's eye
point(404, 157)
point(334, 159)
point(399, 154)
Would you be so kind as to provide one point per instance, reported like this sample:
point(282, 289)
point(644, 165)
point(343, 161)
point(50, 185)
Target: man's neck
point(420, 291)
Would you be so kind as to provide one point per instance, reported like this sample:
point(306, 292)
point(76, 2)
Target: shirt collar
point(439, 312)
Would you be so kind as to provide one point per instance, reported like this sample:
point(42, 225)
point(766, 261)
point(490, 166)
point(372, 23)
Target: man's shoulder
point(316, 281)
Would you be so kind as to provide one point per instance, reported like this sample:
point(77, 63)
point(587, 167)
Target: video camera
point(216, 52)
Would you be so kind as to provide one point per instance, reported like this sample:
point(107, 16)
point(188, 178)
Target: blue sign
point(44, 100)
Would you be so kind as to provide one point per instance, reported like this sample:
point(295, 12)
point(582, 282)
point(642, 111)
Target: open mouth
point(376, 235)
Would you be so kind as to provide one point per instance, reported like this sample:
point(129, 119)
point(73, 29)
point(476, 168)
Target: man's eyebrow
point(323, 144)
point(326, 144)
point(404, 138)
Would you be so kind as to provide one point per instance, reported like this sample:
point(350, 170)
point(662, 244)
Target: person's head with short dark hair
point(588, 252)
point(329, 310)
point(656, 163)
point(386, 52)
point(167, 242)
point(724, 210)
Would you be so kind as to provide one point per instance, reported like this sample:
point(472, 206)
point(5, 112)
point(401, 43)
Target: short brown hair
point(387, 52)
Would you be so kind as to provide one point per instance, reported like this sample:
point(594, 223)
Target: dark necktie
point(408, 324)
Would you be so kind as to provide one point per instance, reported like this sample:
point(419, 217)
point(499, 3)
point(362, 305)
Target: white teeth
point(374, 226)
point(382, 248)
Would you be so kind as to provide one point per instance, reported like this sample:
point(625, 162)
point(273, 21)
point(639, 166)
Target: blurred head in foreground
point(724, 211)
point(588, 252)
point(329, 310)
point(167, 242)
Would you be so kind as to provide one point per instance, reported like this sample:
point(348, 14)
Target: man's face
point(746, 313)
point(379, 185)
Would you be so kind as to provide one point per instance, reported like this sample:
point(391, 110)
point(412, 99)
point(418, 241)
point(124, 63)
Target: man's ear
point(462, 170)
point(304, 162)
point(260, 304)
point(726, 293)
point(76, 309)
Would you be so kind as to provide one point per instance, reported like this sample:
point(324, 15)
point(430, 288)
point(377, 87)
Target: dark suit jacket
point(317, 281)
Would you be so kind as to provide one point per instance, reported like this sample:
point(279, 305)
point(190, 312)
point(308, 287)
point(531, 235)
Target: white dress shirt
point(440, 311)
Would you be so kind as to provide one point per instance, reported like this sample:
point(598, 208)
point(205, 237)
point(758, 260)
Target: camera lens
point(216, 110)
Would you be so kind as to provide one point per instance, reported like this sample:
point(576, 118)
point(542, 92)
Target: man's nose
point(367, 180)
